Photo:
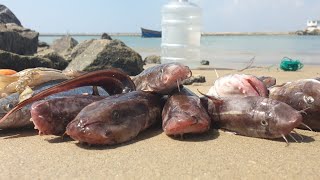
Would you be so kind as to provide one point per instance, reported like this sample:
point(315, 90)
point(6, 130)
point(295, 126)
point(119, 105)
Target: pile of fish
point(109, 107)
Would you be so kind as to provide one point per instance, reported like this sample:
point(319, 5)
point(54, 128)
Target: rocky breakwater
point(20, 49)
point(307, 32)
point(13, 37)
point(17, 39)
point(19, 45)
point(6, 16)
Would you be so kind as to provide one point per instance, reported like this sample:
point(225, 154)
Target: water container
point(181, 33)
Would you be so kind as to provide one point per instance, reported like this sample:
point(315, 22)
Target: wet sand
point(153, 155)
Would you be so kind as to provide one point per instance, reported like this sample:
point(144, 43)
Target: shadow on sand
point(210, 135)
point(59, 139)
point(18, 133)
point(297, 139)
point(151, 132)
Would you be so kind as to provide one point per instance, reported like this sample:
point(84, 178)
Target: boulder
point(194, 79)
point(64, 45)
point(79, 49)
point(152, 59)
point(6, 16)
point(19, 40)
point(106, 36)
point(43, 44)
point(104, 54)
point(314, 32)
point(17, 62)
point(204, 62)
point(58, 62)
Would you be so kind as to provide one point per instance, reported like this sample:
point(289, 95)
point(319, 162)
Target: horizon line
point(139, 34)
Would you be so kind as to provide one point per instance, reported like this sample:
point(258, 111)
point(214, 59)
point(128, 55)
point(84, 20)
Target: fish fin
point(26, 94)
point(95, 91)
point(216, 100)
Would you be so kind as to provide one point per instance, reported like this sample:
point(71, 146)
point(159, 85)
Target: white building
point(313, 25)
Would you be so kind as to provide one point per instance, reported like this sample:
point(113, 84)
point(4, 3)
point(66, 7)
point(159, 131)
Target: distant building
point(313, 25)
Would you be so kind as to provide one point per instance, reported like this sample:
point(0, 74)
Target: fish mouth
point(91, 133)
point(257, 86)
point(183, 125)
point(286, 128)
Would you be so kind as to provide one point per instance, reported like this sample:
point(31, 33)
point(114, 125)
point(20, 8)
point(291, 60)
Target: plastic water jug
point(181, 33)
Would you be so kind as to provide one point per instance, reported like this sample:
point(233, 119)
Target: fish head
point(275, 119)
point(45, 120)
point(309, 98)
point(7, 103)
point(172, 74)
point(107, 122)
point(302, 95)
point(185, 116)
point(238, 85)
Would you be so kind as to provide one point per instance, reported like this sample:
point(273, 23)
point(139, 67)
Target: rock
point(6, 16)
point(104, 54)
point(308, 32)
point(194, 79)
point(314, 32)
point(79, 49)
point(106, 36)
point(299, 33)
point(19, 40)
point(58, 62)
point(204, 62)
point(17, 62)
point(64, 45)
point(43, 44)
point(152, 59)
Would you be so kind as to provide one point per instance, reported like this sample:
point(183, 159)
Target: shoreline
point(202, 34)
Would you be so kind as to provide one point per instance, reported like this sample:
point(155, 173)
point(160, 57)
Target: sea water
point(232, 51)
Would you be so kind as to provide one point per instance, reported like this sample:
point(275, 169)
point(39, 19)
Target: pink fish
point(238, 85)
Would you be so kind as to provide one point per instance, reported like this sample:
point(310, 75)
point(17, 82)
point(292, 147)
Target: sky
point(111, 16)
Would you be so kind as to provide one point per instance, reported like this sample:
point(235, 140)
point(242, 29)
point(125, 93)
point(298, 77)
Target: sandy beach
point(153, 155)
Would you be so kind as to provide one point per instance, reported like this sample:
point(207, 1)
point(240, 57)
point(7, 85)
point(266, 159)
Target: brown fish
point(21, 117)
point(113, 81)
point(53, 115)
point(253, 116)
point(162, 78)
point(116, 119)
point(304, 96)
point(183, 113)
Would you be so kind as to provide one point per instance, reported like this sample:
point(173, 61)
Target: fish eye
point(264, 122)
point(115, 115)
point(8, 107)
point(308, 99)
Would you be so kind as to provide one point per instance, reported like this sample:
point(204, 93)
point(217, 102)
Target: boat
point(147, 33)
